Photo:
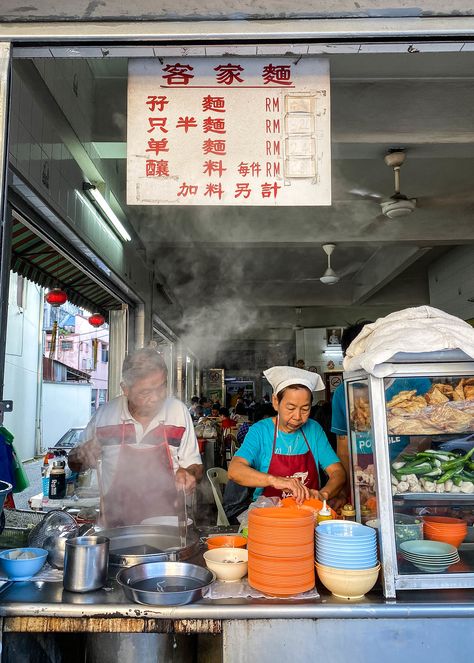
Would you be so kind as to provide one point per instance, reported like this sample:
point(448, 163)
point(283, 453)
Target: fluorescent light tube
point(94, 192)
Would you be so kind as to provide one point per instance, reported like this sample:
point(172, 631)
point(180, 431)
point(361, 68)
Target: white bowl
point(229, 564)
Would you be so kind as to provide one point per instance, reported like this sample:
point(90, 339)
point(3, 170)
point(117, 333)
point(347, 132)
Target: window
point(66, 345)
point(104, 353)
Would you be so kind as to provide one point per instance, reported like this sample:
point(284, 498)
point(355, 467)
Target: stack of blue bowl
point(346, 545)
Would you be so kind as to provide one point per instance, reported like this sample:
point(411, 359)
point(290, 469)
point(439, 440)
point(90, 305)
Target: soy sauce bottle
point(57, 481)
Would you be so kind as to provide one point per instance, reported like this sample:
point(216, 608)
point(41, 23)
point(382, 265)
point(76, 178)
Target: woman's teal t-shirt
point(258, 445)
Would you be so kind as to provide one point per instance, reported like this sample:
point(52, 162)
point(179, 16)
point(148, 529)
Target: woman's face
point(293, 409)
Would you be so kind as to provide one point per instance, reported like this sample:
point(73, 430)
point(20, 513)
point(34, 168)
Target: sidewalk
point(33, 471)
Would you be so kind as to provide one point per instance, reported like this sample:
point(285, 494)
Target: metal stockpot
point(85, 563)
point(137, 544)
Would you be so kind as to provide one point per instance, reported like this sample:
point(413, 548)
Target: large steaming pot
point(137, 544)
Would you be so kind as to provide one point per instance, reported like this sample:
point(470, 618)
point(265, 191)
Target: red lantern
point(96, 320)
point(56, 297)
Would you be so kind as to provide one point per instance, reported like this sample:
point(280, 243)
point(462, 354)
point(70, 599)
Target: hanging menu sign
point(230, 131)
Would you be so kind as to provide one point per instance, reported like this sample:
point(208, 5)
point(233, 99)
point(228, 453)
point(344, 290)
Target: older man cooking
point(282, 455)
point(143, 445)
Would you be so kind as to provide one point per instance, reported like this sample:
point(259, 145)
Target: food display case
point(411, 438)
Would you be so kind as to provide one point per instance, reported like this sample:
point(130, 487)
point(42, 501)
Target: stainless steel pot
point(85, 563)
point(138, 544)
point(165, 583)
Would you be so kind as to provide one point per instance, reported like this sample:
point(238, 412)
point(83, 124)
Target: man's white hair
point(140, 364)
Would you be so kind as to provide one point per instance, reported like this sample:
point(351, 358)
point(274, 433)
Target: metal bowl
point(165, 583)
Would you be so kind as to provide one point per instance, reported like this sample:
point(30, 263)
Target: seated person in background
point(225, 420)
point(237, 498)
point(215, 410)
point(281, 456)
point(240, 413)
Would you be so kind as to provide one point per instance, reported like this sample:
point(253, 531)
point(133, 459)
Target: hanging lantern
point(56, 297)
point(96, 320)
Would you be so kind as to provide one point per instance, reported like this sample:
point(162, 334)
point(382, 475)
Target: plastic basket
point(18, 524)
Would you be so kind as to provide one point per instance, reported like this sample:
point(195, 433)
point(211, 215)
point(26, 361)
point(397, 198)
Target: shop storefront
point(56, 84)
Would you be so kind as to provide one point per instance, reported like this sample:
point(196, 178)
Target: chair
point(218, 478)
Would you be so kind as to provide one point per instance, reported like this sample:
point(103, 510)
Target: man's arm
point(84, 456)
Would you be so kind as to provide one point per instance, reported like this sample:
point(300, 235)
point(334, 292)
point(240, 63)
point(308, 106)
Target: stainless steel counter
point(46, 599)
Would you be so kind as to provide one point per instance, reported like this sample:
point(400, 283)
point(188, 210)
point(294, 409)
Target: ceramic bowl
point(22, 569)
point(229, 564)
point(348, 584)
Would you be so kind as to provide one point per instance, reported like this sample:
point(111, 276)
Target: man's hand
point(185, 479)
point(290, 485)
point(84, 456)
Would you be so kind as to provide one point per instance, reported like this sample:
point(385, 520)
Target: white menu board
point(230, 131)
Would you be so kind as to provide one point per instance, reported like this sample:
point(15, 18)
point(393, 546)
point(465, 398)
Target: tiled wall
point(451, 281)
point(43, 159)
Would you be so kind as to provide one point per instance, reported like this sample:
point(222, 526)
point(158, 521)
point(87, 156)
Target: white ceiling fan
point(329, 277)
point(398, 204)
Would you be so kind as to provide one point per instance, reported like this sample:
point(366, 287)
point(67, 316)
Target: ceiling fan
point(398, 204)
point(330, 277)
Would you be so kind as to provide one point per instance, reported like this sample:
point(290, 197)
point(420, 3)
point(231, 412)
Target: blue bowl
point(346, 544)
point(345, 530)
point(347, 564)
point(22, 569)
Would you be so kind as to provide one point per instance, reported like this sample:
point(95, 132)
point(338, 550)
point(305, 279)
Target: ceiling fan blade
point(352, 268)
point(366, 194)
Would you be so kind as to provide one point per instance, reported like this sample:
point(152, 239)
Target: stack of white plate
point(429, 556)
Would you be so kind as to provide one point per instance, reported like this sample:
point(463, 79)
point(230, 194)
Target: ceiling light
point(94, 194)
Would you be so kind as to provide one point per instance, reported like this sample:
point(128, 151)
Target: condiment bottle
point(324, 513)
point(348, 512)
point(57, 481)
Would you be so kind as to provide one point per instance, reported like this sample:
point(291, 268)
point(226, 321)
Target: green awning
point(38, 261)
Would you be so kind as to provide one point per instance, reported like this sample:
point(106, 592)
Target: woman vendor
point(282, 455)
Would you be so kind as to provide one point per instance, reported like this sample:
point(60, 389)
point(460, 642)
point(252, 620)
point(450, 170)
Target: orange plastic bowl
point(312, 505)
point(226, 541)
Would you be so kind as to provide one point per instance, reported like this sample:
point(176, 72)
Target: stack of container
point(281, 551)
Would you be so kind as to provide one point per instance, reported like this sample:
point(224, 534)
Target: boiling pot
point(137, 544)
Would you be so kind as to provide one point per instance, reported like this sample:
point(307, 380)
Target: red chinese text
point(269, 189)
point(216, 104)
point(156, 103)
point(214, 146)
point(178, 74)
point(186, 190)
point(214, 190)
point(213, 125)
point(186, 123)
point(158, 146)
point(254, 169)
point(211, 167)
point(228, 74)
point(157, 123)
point(242, 189)
point(157, 168)
point(280, 73)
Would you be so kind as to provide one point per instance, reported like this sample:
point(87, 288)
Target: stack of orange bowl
point(447, 530)
point(281, 551)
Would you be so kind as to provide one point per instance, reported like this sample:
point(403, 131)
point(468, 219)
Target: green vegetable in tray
point(434, 471)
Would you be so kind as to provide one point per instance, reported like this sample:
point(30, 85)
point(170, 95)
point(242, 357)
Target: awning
point(38, 261)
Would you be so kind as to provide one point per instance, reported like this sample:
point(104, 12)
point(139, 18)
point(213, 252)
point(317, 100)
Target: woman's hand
point(318, 494)
point(290, 485)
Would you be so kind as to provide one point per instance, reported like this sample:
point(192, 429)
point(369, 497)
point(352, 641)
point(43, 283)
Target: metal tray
point(138, 544)
point(165, 583)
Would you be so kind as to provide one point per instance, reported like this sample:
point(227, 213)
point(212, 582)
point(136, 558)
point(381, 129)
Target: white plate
point(171, 521)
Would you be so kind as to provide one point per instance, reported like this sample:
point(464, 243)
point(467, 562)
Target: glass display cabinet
point(411, 438)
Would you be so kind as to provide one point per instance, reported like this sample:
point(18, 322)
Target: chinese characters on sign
point(203, 131)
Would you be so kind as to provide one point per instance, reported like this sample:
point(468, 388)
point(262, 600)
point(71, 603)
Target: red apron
point(297, 466)
point(143, 484)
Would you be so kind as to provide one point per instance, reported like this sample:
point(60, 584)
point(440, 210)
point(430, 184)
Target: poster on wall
point(213, 385)
point(333, 337)
point(228, 131)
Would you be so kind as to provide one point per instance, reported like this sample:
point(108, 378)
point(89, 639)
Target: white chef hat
point(284, 376)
